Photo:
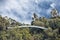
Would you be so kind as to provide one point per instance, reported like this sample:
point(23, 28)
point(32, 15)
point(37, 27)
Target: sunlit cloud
point(22, 10)
point(53, 5)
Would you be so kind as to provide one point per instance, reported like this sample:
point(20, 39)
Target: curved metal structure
point(27, 26)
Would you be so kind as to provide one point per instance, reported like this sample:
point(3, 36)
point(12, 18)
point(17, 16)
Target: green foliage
point(16, 34)
point(52, 33)
point(53, 25)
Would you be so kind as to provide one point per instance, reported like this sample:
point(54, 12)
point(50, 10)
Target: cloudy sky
point(22, 10)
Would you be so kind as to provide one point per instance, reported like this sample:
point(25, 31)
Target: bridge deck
point(27, 26)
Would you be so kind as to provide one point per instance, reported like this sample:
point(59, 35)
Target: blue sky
point(22, 10)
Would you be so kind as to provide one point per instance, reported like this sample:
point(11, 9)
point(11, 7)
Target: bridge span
point(28, 26)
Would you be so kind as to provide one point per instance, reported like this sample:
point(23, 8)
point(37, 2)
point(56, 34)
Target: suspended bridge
point(28, 26)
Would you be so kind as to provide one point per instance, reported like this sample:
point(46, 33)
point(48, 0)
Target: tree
point(35, 17)
point(54, 13)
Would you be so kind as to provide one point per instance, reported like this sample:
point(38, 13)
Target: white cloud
point(53, 5)
point(22, 8)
